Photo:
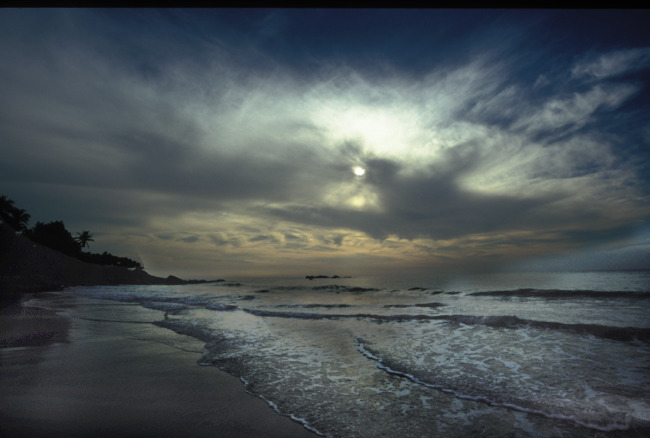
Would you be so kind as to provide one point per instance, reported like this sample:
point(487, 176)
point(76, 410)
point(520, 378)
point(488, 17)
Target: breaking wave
point(598, 418)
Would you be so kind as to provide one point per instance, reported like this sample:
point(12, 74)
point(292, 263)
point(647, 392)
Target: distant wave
point(560, 293)
point(431, 292)
point(316, 316)
point(222, 307)
point(314, 306)
point(513, 322)
point(506, 322)
point(429, 305)
point(339, 288)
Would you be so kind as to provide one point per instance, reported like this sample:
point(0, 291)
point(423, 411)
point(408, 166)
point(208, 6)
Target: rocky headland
point(26, 266)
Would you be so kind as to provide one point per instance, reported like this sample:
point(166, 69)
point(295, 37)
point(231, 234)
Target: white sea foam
point(369, 359)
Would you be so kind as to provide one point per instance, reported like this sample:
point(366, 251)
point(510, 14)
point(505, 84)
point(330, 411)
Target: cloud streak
point(610, 64)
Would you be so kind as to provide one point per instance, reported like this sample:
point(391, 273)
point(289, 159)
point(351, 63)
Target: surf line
point(572, 419)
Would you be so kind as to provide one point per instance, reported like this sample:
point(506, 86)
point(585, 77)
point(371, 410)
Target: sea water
point(539, 355)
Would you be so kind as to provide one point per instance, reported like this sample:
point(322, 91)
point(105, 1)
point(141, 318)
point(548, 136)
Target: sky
point(223, 142)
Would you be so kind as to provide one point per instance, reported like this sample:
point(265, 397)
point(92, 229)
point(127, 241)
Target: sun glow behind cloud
point(390, 129)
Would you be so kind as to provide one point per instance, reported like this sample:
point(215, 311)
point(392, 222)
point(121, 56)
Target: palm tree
point(6, 207)
point(19, 219)
point(84, 238)
point(16, 218)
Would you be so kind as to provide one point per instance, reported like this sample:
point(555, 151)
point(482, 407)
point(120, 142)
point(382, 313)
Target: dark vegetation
point(16, 218)
point(48, 258)
point(54, 235)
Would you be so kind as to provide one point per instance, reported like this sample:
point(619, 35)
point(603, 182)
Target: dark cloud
point(428, 206)
point(221, 239)
point(260, 238)
point(189, 239)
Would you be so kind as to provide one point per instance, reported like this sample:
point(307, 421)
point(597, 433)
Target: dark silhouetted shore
point(26, 266)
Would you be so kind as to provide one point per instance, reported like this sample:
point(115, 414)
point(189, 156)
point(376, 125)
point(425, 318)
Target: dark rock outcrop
point(311, 277)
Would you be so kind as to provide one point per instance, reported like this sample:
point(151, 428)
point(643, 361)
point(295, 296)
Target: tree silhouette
point(16, 218)
point(6, 205)
point(19, 219)
point(55, 236)
point(84, 238)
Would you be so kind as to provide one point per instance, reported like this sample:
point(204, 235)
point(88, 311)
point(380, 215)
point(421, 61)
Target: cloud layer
point(224, 144)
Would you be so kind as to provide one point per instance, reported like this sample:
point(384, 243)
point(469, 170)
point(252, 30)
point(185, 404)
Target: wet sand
point(72, 366)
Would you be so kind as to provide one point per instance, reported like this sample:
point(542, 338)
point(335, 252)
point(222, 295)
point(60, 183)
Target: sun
point(359, 171)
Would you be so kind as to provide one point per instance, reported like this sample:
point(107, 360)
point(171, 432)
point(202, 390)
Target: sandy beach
point(78, 367)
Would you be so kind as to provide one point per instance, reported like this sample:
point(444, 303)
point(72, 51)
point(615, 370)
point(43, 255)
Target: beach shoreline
point(74, 366)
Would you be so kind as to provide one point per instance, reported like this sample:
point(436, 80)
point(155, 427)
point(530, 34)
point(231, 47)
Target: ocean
point(491, 355)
